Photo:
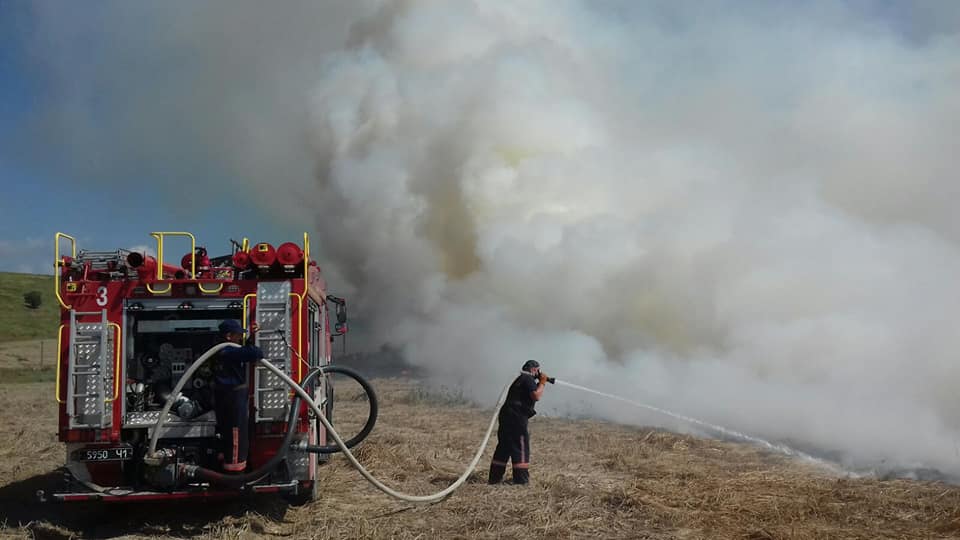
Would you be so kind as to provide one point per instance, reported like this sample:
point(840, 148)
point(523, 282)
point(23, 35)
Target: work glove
point(252, 334)
point(543, 378)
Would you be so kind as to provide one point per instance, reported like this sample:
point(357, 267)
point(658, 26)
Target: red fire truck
point(131, 325)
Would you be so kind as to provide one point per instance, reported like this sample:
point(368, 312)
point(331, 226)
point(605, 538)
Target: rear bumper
point(199, 492)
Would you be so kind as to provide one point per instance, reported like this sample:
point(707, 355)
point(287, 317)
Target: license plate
point(113, 453)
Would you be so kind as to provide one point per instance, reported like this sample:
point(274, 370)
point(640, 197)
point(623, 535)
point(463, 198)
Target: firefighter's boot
point(496, 472)
point(521, 476)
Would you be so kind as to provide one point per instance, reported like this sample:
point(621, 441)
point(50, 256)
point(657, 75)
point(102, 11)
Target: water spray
point(727, 432)
point(716, 428)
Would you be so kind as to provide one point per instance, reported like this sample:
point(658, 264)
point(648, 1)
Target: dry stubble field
point(590, 479)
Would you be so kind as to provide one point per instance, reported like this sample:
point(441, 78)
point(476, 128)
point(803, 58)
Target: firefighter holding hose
point(513, 437)
point(230, 394)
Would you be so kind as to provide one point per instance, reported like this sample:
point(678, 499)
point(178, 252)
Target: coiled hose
point(239, 480)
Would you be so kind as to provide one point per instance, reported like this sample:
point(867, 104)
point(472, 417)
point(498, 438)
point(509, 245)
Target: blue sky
point(46, 188)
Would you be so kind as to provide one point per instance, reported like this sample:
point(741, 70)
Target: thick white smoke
point(741, 211)
point(744, 217)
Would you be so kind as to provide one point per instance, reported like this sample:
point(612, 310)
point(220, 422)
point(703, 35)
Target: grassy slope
point(18, 322)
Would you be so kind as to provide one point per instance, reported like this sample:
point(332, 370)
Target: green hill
point(17, 321)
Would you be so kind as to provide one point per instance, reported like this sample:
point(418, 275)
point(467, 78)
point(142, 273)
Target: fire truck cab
point(131, 324)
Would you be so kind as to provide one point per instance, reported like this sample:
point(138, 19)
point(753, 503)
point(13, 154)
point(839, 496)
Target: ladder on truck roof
point(91, 366)
point(273, 317)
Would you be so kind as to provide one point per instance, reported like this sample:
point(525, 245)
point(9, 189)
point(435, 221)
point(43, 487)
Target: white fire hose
point(153, 458)
point(440, 495)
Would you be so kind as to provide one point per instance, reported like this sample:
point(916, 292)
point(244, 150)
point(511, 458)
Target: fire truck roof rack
point(114, 263)
point(193, 251)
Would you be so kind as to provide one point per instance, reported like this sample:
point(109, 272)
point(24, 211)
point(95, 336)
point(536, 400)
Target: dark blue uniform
point(231, 403)
point(513, 437)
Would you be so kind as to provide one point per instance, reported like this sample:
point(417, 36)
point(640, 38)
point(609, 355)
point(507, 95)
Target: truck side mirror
point(341, 327)
point(341, 313)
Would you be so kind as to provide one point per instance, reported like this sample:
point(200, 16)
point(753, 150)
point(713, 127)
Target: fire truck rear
point(131, 326)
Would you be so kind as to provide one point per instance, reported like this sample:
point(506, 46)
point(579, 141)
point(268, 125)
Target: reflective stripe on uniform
point(236, 444)
point(235, 467)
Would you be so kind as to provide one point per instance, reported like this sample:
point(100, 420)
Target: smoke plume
point(736, 213)
point(741, 211)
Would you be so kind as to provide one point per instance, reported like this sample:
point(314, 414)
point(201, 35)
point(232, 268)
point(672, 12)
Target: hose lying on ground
point(440, 495)
point(241, 479)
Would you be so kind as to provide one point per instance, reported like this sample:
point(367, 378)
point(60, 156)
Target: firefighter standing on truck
point(513, 437)
point(230, 395)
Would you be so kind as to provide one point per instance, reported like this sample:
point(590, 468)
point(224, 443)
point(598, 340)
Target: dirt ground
point(589, 479)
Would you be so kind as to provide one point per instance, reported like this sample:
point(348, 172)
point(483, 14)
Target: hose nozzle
point(551, 380)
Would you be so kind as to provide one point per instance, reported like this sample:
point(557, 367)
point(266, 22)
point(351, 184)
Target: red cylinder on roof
point(263, 254)
point(200, 259)
point(136, 259)
point(147, 267)
point(289, 254)
point(241, 259)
